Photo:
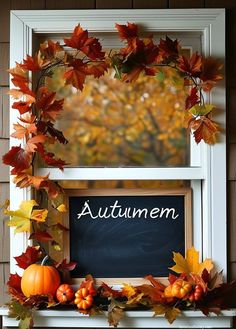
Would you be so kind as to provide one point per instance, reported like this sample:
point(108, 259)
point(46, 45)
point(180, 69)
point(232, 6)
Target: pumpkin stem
point(44, 260)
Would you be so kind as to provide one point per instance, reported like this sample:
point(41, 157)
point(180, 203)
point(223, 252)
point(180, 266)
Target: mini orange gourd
point(83, 299)
point(65, 293)
point(180, 288)
point(40, 279)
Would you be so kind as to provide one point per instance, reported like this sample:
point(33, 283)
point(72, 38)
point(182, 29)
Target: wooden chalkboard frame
point(186, 192)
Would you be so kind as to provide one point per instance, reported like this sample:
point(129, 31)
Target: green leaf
point(26, 323)
point(18, 311)
point(160, 76)
point(199, 110)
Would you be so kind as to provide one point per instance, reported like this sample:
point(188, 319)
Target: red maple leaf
point(49, 106)
point(42, 236)
point(80, 40)
point(64, 266)
point(169, 49)
point(138, 56)
point(211, 73)
point(22, 107)
point(97, 69)
point(17, 158)
point(19, 74)
point(109, 292)
point(52, 188)
point(93, 49)
point(50, 48)
point(45, 127)
point(49, 159)
point(192, 65)
point(14, 287)
point(33, 63)
point(76, 74)
point(128, 31)
point(192, 98)
point(30, 256)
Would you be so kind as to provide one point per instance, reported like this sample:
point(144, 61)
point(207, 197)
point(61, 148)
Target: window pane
point(115, 124)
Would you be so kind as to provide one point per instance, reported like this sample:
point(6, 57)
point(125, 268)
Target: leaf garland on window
point(82, 56)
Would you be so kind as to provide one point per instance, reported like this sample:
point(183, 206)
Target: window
point(203, 166)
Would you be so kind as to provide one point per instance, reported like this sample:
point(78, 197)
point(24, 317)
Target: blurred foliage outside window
point(114, 124)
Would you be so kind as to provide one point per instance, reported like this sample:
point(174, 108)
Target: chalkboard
point(127, 233)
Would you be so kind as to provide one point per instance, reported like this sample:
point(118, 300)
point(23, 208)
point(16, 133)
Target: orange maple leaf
point(204, 129)
point(31, 145)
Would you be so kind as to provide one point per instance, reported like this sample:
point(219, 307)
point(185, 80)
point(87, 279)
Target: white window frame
point(208, 163)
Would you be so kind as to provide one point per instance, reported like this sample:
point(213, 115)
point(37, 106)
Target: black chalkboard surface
point(127, 233)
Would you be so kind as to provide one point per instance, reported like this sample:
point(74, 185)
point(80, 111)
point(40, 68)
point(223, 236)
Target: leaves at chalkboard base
point(115, 312)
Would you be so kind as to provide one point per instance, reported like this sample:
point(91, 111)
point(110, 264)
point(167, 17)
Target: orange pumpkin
point(83, 299)
point(65, 293)
point(180, 288)
point(39, 279)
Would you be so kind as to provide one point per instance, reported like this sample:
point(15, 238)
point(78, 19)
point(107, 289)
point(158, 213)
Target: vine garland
point(39, 108)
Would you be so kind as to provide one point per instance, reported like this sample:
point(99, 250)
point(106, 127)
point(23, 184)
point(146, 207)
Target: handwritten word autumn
point(117, 211)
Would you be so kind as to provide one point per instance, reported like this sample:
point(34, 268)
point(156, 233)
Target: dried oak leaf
point(115, 313)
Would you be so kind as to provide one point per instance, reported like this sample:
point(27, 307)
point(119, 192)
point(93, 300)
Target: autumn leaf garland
point(39, 108)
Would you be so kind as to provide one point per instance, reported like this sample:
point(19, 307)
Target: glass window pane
point(114, 124)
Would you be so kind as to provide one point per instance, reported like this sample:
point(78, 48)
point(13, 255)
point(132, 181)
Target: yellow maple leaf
point(169, 312)
point(135, 299)
point(190, 264)
point(62, 208)
point(128, 290)
point(21, 218)
point(39, 215)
